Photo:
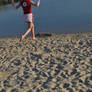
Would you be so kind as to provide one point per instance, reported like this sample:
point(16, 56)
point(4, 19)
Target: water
point(62, 16)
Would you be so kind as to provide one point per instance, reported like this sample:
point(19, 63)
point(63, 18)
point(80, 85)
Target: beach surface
point(53, 63)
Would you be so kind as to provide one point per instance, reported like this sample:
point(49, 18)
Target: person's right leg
point(33, 34)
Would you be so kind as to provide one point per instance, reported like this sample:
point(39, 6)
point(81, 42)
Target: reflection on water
point(64, 16)
point(5, 8)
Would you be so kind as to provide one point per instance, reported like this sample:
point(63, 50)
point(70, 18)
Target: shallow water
point(62, 16)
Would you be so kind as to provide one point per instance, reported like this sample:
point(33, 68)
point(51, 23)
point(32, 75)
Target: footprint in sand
point(4, 75)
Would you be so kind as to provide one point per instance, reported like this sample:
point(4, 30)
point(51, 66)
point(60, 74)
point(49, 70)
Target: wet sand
point(55, 63)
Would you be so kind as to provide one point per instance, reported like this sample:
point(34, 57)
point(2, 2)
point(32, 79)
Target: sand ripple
point(58, 63)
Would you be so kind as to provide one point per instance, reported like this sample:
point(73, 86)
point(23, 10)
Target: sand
point(54, 63)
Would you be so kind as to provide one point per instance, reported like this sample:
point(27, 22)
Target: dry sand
point(57, 63)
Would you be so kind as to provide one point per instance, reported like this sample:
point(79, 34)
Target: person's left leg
point(30, 25)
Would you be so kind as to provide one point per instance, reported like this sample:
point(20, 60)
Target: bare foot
point(22, 38)
point(34, 38)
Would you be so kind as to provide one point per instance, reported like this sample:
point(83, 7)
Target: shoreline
point(47, 34)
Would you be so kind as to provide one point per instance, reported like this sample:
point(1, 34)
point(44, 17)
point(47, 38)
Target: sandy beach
point(53, 63)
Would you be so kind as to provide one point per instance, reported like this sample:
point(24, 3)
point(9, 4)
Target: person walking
point(28, 16)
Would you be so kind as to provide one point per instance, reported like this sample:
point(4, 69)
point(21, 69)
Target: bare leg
point(30, 24)
point(30, 27)
point(33, 34)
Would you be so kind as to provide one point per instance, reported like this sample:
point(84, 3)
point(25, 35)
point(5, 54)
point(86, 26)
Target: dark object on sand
point(44, 34)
